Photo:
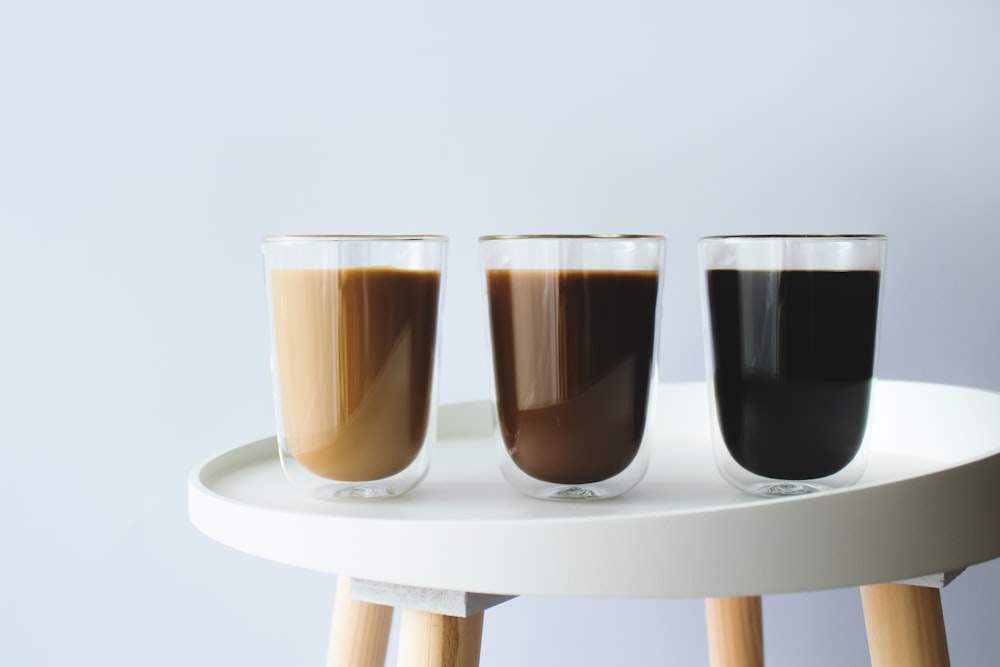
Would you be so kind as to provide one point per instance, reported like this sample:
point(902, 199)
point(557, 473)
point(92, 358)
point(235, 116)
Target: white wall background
point(145, 149)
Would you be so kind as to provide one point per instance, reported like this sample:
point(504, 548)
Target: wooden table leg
point(427, 639)
point(735, 632)
point(905, 626)
point(359, 632)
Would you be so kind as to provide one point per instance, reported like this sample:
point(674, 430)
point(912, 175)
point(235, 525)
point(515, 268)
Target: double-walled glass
point(354, 338)
point(791, 333)
point(574, 324)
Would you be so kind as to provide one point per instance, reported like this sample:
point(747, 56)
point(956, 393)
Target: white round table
point(928, 505)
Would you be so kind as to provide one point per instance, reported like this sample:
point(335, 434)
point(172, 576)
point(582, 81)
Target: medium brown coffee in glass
point(573, 322)
point(354, 334)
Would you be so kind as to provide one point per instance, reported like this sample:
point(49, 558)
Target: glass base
point(575, 493)
point(780, 489)
point(354, 492)
point(320, 488)
point(572, 493)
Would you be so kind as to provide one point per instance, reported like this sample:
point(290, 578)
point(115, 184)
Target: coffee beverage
point(573, 358)
point(794, 358)
point(354, 354)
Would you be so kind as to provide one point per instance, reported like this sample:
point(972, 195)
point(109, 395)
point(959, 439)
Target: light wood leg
point(735, 632)
point(905, 626)
point(435, 640)
point(359, 633)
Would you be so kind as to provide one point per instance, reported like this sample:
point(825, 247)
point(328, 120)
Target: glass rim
point(571, 237)
point(794, 237)
point(306, 238)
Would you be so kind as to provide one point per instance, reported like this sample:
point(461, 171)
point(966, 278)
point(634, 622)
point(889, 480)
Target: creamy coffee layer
point(355, 359)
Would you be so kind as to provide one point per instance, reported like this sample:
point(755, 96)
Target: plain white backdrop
point(147, 147)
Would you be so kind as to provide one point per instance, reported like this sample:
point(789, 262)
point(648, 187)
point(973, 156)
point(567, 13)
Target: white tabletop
point(929, 502)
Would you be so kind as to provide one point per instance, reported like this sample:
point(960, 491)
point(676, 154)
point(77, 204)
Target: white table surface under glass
point(927, 506)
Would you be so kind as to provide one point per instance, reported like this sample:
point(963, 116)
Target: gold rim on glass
point(570, 237)
point(284, 238)
point(795, 237)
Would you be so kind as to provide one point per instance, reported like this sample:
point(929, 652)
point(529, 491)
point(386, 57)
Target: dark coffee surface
point(794, 358)
point(355, 352)
point(573, 353)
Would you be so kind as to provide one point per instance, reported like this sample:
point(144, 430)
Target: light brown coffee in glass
point(354, 337)
point(349, 343)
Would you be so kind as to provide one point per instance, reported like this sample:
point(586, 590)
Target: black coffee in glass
point(794, 358)
point(791, 326)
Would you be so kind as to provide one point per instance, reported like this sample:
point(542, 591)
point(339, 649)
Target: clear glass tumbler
point(574, 326)
point(791, 336)
point(354, 348)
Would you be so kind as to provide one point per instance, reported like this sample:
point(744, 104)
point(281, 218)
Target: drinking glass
point(354, 338)
point(573, 323)
point(791, 335)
